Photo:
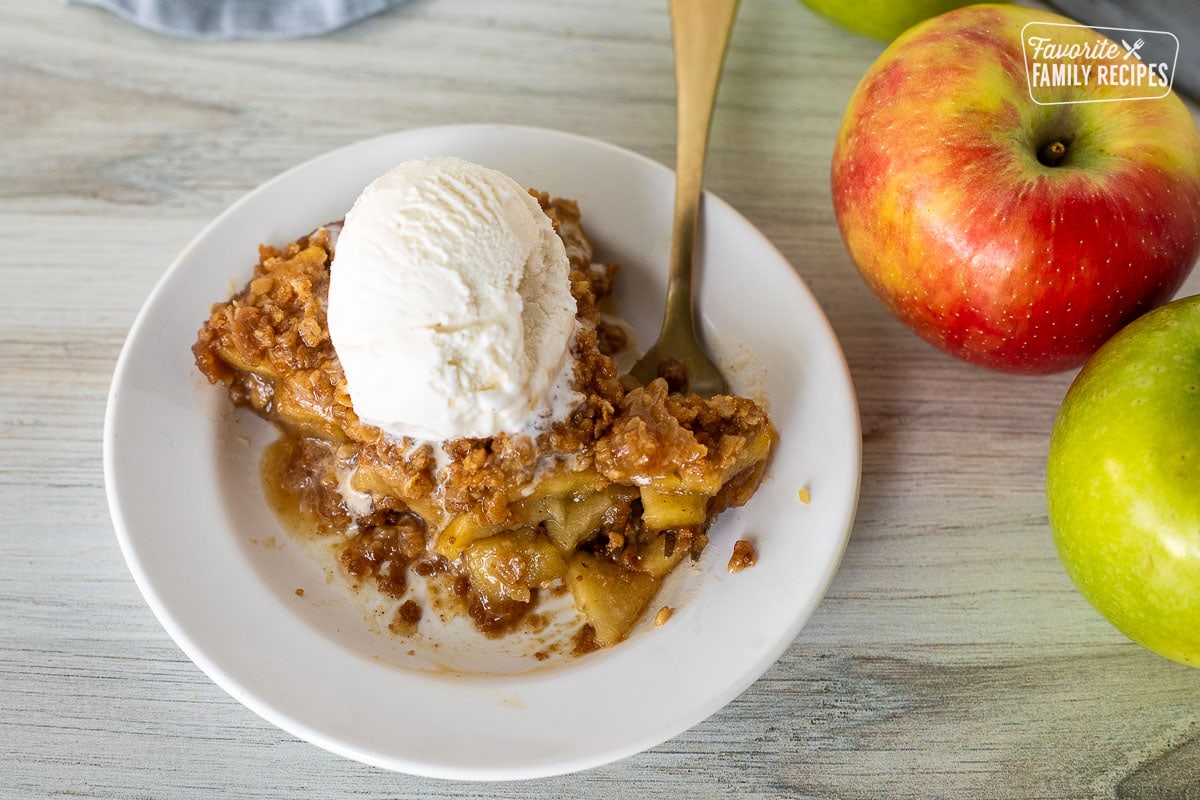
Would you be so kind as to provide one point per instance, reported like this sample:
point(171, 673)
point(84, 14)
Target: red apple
point(1010, 234)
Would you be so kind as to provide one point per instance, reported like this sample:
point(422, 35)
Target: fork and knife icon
point(1131, 49)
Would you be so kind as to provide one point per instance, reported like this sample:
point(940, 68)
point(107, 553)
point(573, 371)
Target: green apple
point(881, 19)
point(1123, 481)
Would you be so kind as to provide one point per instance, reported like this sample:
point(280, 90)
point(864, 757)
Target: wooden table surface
point(951, 658)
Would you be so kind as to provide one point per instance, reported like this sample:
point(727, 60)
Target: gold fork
point(700, 36)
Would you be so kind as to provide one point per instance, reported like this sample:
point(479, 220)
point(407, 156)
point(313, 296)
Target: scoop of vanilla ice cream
point(450, 305)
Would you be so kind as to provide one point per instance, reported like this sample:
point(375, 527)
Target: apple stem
point(1053, 154)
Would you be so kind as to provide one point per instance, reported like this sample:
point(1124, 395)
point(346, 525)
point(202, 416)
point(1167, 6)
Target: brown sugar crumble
point(662, 616)
point(584, 641)
point(743, 556)
point(611, 338)
point(406, 618)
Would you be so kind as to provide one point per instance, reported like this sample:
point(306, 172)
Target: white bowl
point(213, 564)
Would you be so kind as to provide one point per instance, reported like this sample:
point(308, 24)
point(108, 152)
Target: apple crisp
point(603, 504)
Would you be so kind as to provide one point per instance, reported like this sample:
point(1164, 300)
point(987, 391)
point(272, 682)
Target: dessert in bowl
point(450, 412)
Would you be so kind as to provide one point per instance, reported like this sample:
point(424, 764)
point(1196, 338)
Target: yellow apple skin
point(881, 19)
point(1123, 481)
point(961, 229)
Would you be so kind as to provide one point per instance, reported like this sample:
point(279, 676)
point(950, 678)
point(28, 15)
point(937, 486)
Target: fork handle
point(700, 31)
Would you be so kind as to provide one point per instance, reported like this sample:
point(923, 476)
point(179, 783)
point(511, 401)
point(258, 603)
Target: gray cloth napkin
point(1180, 17)
point(242, 19)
